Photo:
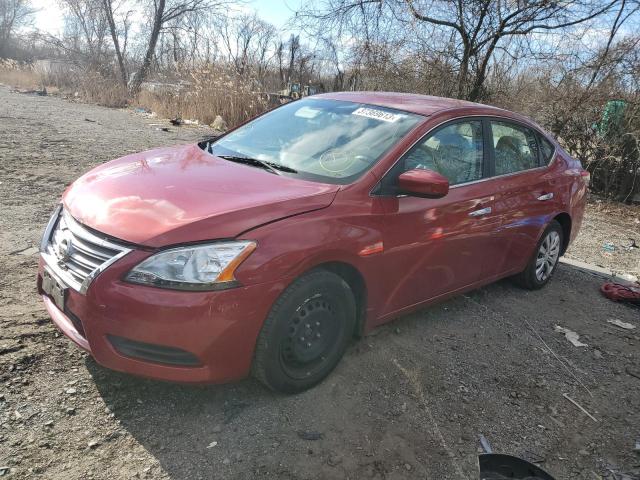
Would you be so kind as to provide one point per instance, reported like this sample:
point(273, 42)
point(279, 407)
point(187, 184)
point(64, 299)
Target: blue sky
point(50, 16)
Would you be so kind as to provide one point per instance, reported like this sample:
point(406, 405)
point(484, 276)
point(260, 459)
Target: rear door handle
point(481, 212)
point(546, 196)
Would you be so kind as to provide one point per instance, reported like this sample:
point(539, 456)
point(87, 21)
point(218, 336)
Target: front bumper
point(218, 329)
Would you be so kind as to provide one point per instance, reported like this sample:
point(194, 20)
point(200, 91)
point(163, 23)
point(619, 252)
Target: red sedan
point(266, 250)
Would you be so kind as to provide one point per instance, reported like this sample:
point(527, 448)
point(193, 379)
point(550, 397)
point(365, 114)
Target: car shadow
point(244, 430)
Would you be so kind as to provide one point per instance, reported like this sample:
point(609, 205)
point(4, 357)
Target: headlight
point(198, 267)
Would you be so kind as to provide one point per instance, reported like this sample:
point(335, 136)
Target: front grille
point(75, 253)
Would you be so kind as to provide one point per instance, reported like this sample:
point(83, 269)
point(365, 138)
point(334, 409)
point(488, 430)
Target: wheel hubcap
point(547, 257)
point(312, 332)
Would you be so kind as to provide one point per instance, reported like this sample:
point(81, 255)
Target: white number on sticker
point(377, 114)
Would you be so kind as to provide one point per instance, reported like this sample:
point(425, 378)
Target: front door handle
point(546, 196)
point(479, 213)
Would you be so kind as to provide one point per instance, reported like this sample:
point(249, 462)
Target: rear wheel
point(545, 259)
point(306, 332)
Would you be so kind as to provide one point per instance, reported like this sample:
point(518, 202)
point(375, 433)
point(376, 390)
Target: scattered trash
point(219, 124)
point(571, 336)
point(628, 277)
point(608, 247)
point(90, 121)
point(93, 444)
point(580, 407)
point(486, 446)
point(637, 447)
point(4, 470)
point(564, 365)
point(621, 324)
point(176, 121)
point(191, 122)
point(212, 444)
point(621, 293)
point(632, 244)
point(164, 129)
point(498, 466)
point(533, 457)
point(145, 112)
point(70, 391)
point(311, 436)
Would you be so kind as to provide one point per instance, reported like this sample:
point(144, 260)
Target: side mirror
point(424, 183)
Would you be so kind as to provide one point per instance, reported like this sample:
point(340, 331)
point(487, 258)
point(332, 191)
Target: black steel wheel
point(306, 332)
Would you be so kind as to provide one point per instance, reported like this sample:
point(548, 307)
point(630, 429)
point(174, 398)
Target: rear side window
point(515, 147)
point(546, 150)
point(455, 151)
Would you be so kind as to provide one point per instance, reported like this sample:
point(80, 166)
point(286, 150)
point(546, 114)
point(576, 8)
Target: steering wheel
point(335, 161)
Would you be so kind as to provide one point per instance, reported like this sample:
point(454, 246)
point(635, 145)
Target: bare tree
point(14, 14)
point(116, 33)
point(163, 12)
point(469, 32)
point(86, 33)
point(247, 40)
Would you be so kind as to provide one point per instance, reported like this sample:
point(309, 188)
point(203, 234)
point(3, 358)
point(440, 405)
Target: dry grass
point(205, 94)
point(23, 78)
point(201, 95)
point(86, 86)
point(94, 88)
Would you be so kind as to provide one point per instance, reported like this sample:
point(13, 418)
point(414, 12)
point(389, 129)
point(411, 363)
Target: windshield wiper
point(270, 166)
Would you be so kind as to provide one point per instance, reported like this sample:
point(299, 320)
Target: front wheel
point(306, 333)
point(545, 259)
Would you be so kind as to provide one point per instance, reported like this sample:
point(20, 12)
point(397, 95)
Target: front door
point(436, 246)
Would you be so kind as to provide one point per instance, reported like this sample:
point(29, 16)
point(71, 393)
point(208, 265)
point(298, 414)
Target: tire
point(532, 278)
point(306, 333)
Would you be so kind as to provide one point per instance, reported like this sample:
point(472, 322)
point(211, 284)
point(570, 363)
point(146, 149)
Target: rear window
point(515, 148)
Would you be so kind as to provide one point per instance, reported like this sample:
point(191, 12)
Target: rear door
point(526, 194)
point(437, 246)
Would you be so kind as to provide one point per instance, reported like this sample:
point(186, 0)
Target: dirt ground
point(607, 236)
point(409, 401)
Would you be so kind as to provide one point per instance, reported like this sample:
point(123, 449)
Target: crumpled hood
point(183, 194)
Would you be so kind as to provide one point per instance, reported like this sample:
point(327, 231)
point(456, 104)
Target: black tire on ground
point(528, 278)
point(306, 333)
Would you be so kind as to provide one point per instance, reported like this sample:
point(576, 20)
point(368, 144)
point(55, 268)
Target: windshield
point(323, 140)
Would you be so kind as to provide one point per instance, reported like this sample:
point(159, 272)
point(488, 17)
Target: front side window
point(515, 148)
point(455, 151)
point(317, 139)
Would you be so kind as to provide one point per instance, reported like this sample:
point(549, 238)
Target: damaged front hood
point(183, 194)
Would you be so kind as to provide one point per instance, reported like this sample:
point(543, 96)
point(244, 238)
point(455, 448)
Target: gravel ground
point(409, 401)
point(607, 236)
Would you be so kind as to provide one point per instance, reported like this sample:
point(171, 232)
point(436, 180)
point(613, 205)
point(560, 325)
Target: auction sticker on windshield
point(377, 114)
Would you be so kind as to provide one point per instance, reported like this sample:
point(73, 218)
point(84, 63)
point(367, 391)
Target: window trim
point(376, 190)
point(543, 138)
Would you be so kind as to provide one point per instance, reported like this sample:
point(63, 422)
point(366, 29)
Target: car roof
point(411, 102)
